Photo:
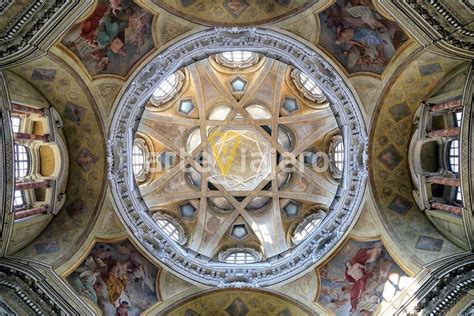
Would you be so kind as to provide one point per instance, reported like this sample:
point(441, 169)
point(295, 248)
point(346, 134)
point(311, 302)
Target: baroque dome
point(214, 143)
point(236, 157)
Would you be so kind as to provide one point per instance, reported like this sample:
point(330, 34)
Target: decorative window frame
point(319, 214)
point(295, 76)
point(183, 236)
point(238, 94)
point(158, 104)
point(335, 171)
point(223, 255)
point(284, 110)
point(237, 65)
point(143, 174)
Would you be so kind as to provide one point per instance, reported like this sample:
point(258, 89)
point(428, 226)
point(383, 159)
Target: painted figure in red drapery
point(357, 272)
point(89, 26)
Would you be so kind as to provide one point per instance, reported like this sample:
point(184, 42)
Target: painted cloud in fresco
point(117, 279)
point(113, 38)
point(358, 36)
point(360, 277)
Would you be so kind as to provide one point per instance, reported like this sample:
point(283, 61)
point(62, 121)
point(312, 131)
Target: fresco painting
point(113, 38)
point(360, 277)
point(118, 279)
point(359, 37)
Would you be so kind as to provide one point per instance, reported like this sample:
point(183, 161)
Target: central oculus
point(240, 158)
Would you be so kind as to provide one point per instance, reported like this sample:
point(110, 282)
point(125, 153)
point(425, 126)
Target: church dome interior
point(236, 157)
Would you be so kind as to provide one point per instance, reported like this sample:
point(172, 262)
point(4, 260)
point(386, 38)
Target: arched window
point(171, 227)
point(219, 113)
point(454, 155)
point(16, 124)
point(193, 140)
point(240, 255)
point(339, 155)
point(237, 59)
point(258, 112)
point(286, 137)
point(307, 226)
point(140, 163)
point(138, 159)
point(22, 161)
point(308, 87)
point(336, 154)
point(18, 199)
point(167, 89)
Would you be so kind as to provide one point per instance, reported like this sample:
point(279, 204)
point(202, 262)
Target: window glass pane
point(194, 140)
point(454, 156)
point(258, 112)
point(18, 199)
point(16, 123)
point(22, 161)
point(309, 85)
point(220, 113)
point(166, 87)
point(309, 228)
point(458, 195)
point(458, 118)
point(238, 56)
point(138, 159)
point(240, 257)
point(339, 156)
point(169, 228)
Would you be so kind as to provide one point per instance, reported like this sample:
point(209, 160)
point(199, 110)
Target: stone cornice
point(435, 26)
point(7, 169)
point(39, 289)
point(437, 288)
point(39, 25)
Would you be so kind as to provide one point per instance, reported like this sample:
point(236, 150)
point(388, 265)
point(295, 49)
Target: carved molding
point(435, 26)
point(133, 209)
point(437, 288)
point(7, 168)
point(38, 290)
point(32, 32)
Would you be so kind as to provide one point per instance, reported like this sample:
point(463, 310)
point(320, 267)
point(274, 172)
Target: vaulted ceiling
point(85, 58)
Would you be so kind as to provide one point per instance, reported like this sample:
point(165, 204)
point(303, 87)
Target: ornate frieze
point(31, 289)
point(37, 26)
point(437, 288)
point(133, 209)
point(442, 26)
